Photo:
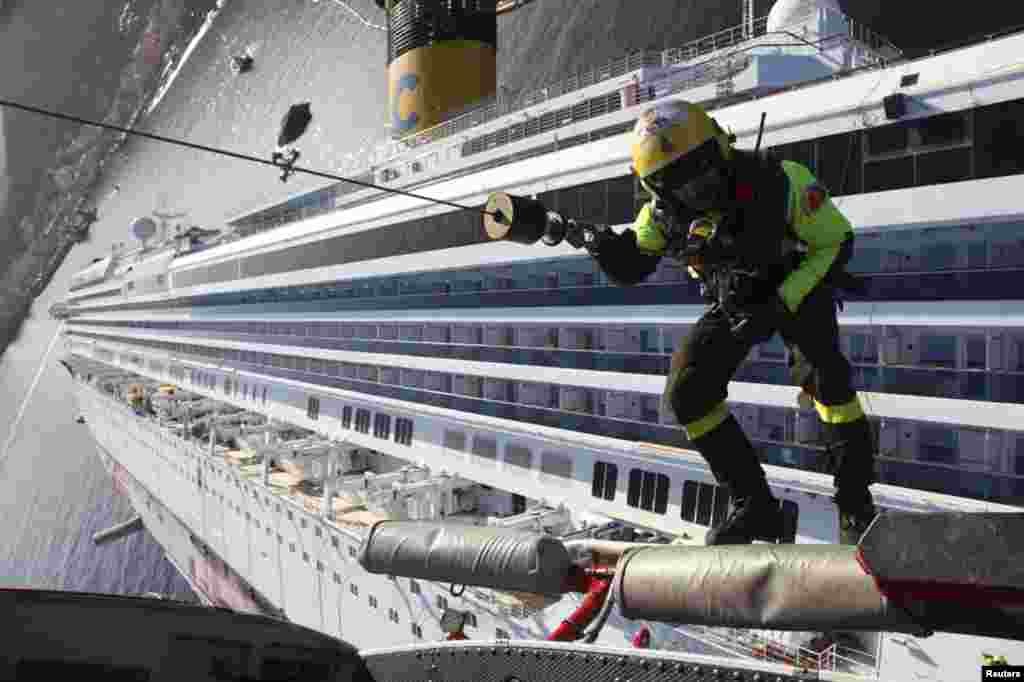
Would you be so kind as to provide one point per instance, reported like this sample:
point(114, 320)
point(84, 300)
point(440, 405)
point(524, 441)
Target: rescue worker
point(769, 247)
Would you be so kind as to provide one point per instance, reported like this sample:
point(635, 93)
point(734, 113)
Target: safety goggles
point(695, 179)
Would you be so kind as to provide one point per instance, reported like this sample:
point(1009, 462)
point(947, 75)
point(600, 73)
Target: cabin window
point(864, 348)
point(354, 589)
point(455, 440)
point(313, 408)
point(414, 586)
point(417, 631)
point(485, 447)
point(974, 352)
point(606, 477)
point(648, 491)
point(938, 350)
point(698, 504)
point(403, 431)
point(790, 517)
point(346, 417)
point(382, 426)
point(442, 603)
point(372, 601)
point(705, 503)
point(500, 634)
point(362, 421)
point(518, 456)
point(556, 464)
point(999, 139)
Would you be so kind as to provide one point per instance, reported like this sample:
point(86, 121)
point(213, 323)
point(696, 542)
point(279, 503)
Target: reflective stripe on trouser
point(840, 414)
point(696, 390)
point(699, 375)
point(815, 332)
point(708, 422)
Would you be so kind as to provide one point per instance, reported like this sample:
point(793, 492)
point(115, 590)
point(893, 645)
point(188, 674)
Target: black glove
point(585, 235)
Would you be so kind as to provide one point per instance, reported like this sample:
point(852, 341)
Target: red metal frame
point(592, 582)
point(595, 583)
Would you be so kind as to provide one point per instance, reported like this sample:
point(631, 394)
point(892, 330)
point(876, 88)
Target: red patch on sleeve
point(744, 192)
point(815, 198)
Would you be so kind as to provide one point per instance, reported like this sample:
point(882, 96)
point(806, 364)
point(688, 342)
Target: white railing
point(758, 646)
point(868, 47)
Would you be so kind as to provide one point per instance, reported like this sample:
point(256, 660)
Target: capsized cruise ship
point(266, 395)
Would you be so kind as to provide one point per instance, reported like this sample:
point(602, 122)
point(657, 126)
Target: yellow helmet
point(669, 131)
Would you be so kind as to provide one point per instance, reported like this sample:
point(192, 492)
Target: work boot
point(852, 453)
point(753, 518)
point(755, 512)
point(854, 520)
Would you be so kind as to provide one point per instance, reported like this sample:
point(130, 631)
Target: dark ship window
point(606, 478)
point(382, 426)
point(648, 490)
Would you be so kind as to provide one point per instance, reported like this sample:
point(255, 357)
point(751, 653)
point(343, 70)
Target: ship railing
point(846, 659)
point(712, 43)
point(870, 48)
point(487, 599)
point(497, 107)
point(709, 73)
point(755, 645)
point(879, 48)
point(709, 637)
point(200, 450)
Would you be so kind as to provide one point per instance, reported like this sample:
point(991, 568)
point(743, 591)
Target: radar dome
point(790, 14)
point(143, 228)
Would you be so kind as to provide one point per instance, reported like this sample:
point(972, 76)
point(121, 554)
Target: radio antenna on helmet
point(760, 132)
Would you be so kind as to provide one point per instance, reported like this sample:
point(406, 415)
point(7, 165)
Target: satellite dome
point(143, 228)
point(797, 14)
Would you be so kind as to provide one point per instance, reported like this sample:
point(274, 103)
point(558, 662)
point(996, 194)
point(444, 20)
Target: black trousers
point(708, 358)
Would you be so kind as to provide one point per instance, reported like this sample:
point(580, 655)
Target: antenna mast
point(748, 19)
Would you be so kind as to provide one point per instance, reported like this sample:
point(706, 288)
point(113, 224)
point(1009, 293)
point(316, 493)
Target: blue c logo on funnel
point(406, 82)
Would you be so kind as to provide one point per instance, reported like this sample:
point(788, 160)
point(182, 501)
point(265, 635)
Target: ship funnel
point(441, 59)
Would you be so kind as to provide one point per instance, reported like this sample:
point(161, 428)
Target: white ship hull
point(312, 584)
